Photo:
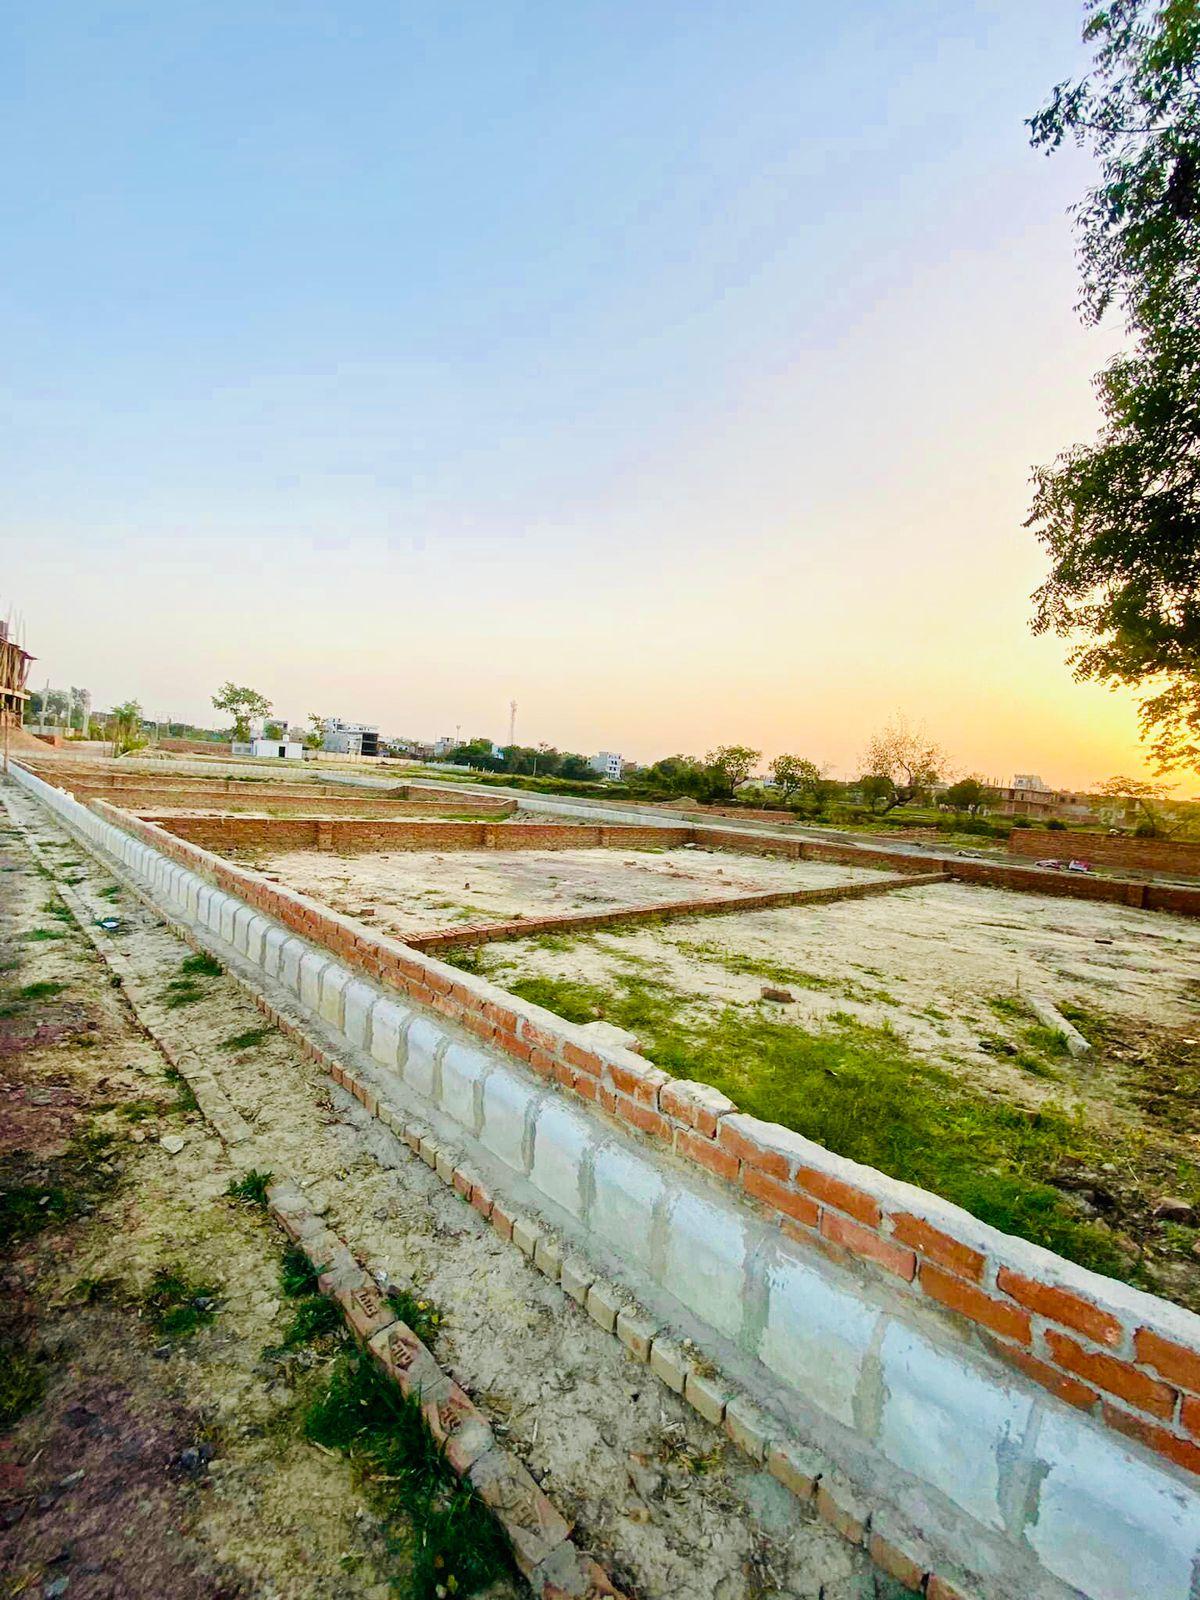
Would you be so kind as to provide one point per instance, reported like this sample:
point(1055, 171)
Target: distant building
point(1029, 796)
point(608, 764)
point(349, 738)
point(285, 748)
point(14, 671)
point(444, 745)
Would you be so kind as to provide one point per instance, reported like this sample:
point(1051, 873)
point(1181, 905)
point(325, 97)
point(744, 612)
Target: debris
point(1172, 1209)
point(172, 1143)
point(782, 997)
point(1046, 1011)
point(1075, 865)
point(109, 924)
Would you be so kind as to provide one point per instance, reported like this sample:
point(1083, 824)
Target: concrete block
point(424, 1037)
point(229, 911)
point(626, 1189)
point(705, 1261)
point(816, 1335)
point(506, 1100)
point(947, 1423)
point(604, 1303)
point(312, 966)
point(560, 1145)
point(1108, 1523)
point(273, 943)
point(334, 979)
point(388, 1022)
point(636, 1331)
point(290, 958)
point(357, 1003)
point(463, 1068)
point(750, 1428)
point(577, 1276)
point(256, 932)
point(668, 1362)
point(707, 1395)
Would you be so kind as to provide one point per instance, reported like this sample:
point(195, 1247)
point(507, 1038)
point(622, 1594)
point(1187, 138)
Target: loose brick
point(1160, 1440)
point(750, 1428)
point(576, 1277)
point(532, 1525)
point(1174, 1361)
point(547, 1257)
point(707, 1153)
point(481, 1199)
point(1061, 1305)
point(367, 1309)
point(1012, 1322)
point(459, 1428)
point(865, 1242)
point(939, 1588)
point(842, 1195)
point(1118, 1377)
point(525, 1236)
point(780, 1196)
point(941, 1247)
point(636, 1331)
point(668, 1362)
point(604, 1303)
point(706, 1395)
point(408, 1363)
point(501, 1221)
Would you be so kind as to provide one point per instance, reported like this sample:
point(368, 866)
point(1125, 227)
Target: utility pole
point(512, 722)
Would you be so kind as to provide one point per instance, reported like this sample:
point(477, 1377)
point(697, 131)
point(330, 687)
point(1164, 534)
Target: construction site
point(741, 1212)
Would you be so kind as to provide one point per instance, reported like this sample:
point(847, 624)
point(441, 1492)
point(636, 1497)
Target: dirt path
point(656, 1493)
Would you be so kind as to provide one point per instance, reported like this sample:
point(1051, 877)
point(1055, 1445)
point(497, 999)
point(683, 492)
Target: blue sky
point(675, 369)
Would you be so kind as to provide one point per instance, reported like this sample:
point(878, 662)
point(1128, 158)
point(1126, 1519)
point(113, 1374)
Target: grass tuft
point(252, 1189)
point(176, 1304)
point(422, 1316)
point(22, 1385)
point(249, 1040)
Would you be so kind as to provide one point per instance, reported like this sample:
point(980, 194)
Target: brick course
point(1175, 857)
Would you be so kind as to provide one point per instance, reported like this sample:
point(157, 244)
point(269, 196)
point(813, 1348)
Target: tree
point(970, 795)
point(242, 705)
point(575, 767)
point(125, 727)
point(793, 775)
point(1120, 518)
point(907, 757)
point(878, 792)
point(315, 737)
point(727, 767)
point(1141, 802)
point(81, 705)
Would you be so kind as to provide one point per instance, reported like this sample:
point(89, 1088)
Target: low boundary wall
point(1028, 1428)
point(1111, 850)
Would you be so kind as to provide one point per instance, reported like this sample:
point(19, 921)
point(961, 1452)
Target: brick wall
point(1130, 1361)
point(1110, 850)
point(393, 833)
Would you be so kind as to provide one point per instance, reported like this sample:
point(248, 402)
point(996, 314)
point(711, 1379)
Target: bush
point(1145, 830)
point(1021, 822)
point(1056, 825)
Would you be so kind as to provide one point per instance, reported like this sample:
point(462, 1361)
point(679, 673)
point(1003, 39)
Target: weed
point(297, 1275)
point(177, 1305)
point(139, 1110)
point(45, 990)
point(181, 992)
point(252, 1189)
point(452, 1544)
point(111, 891)
point(249, 1040)
point(36, 1193)
point(314, 1317)
point(185, 1098)
point(201, 965)
point(467, 958)
point(22, 1384)
point(55, 908)
point(422, 1316)
point(40, 935)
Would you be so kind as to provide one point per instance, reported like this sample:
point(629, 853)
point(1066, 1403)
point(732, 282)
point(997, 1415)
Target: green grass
point(435, 1526)
point(252, 1189)
point(182, 992)
point(40, 935)
point(421, 1315)
point(249, 1040)
point(22, 1385)
point(861, 1092)
point(176, 1304)
point(314, 1318)
point(111, 891)
point(789, 977)
point(46, 990)
point(201, 965)
point(62, 1187)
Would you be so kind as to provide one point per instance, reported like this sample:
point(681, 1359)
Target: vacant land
point(410, 891)
point(909, 1043)
point(160, 1342)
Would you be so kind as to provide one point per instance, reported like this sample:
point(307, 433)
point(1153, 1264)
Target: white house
point(608, 764)
point(284, 749)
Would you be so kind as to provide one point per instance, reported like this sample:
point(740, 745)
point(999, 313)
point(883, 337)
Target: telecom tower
point(512, 722)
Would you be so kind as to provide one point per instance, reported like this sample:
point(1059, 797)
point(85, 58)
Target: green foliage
point(971, 795)
point(1120, 518)
point(201, 964)
point(22, 1384)
point(36, 1194)
point(242, 704)
point(45, 990)
point(451, 1543)
point(419, 1312)
point(249, 1040)
point(125, 727)
point(176, 1304)
point(252, 1188)
point(727, 768)
point(909, 760)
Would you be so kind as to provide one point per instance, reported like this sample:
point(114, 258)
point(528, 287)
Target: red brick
point(481, 1199)
point(633, 1083)
point(1011, 1321)
point(1174, 1361)
point(751, 1153)
point(588, 1088)
point(1058, 1383)
point(709, 1154)
point(864, 1242)
point(1160, 1440)
point(642, 1118)
point(462, 1182)
point(941, 1247)
point(542, 1063)
point(892, 1560)
point(585, 1060)
point(939, 1589)
point(564, 1075)
point(842, 1195)
point(1190, 1415)
point(1118, 1377)
point(501, 1221)
point(781, 1196)
point(1061, 1305)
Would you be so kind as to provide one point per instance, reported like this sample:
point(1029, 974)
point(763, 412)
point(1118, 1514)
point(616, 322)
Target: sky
point(675, 370)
